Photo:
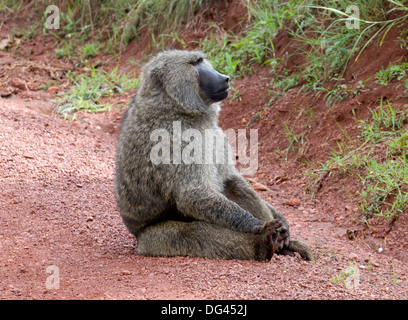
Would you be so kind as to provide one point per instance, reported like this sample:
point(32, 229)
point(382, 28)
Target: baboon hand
point(270, 236)
point(283, 235)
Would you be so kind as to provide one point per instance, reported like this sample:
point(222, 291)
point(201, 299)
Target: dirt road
point(61, 236)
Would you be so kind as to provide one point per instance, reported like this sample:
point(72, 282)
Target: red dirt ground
point(57, 206)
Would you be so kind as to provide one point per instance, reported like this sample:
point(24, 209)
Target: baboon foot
point(269, 238)
point(286, 252)
point(297, 246)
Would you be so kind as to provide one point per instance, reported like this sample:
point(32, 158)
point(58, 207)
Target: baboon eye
point(198, 61)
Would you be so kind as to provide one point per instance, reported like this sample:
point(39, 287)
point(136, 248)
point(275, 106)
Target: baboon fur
point(196, 210)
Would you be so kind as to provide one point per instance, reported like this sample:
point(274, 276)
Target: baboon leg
point(239, 191)
point(203, 239)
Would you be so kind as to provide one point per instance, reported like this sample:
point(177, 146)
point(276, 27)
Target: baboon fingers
point(269, 240)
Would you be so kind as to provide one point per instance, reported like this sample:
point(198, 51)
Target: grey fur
point(198, 210)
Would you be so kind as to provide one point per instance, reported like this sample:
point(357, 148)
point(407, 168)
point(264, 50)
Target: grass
point(386, 75)
point(292, 137)
point(236, 54)
point(385, 179)
point(326, 41)
point(7, 6)
point(159, 16)
point(379, 160)
point(348, 278)
point(384, 190)
point(88, 90)
point(91, 49)
point(116, 22)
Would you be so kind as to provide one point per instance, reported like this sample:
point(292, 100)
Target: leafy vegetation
point(379, 160)
point(87, 91)
point(386, 75)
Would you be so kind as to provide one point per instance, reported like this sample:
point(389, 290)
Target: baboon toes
point(270, 243)
point(269, 236)
point(286, 252)
point(300, 247)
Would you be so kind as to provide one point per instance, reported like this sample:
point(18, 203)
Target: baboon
point(189, 209)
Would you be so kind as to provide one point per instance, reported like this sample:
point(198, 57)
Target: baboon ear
point(155, 78)
point(183, 87)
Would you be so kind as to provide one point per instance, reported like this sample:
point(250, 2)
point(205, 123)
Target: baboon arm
point(240, 191)
point(206, 204)
point(237, 189)
point(276, 213)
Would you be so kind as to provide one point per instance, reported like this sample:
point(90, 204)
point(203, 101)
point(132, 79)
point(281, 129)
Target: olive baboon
point(194, 209)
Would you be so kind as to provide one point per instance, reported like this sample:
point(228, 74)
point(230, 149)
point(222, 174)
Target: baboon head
point(186, 77)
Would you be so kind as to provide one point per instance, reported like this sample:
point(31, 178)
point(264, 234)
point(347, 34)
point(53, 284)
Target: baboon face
point(187, 77)
point(213, 84)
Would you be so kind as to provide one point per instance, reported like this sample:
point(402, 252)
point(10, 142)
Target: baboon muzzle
point(214, 84)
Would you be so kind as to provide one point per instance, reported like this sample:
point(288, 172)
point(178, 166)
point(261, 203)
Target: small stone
point(353, 256)
point(126, 272)
point(295, 202)
point(53, 89)
point(259, 187)
point(17, 83)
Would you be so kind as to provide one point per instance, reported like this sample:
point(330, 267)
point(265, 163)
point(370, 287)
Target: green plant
point(66, 50)
point(385, 76)
point(161, 43)
point(372, 14)
point(236, 95)
point(340, 92)
point(158, 16)
point(380, 162)
point(292, 137)
point(236, 55)
point(383, 120)
point(10, 5)
point(91, 49)
point(329, 45)
point(87, 91)
point(343, 277)
point(282, 79)
point(336, 279)
point(385, 193)
point(398, 146)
